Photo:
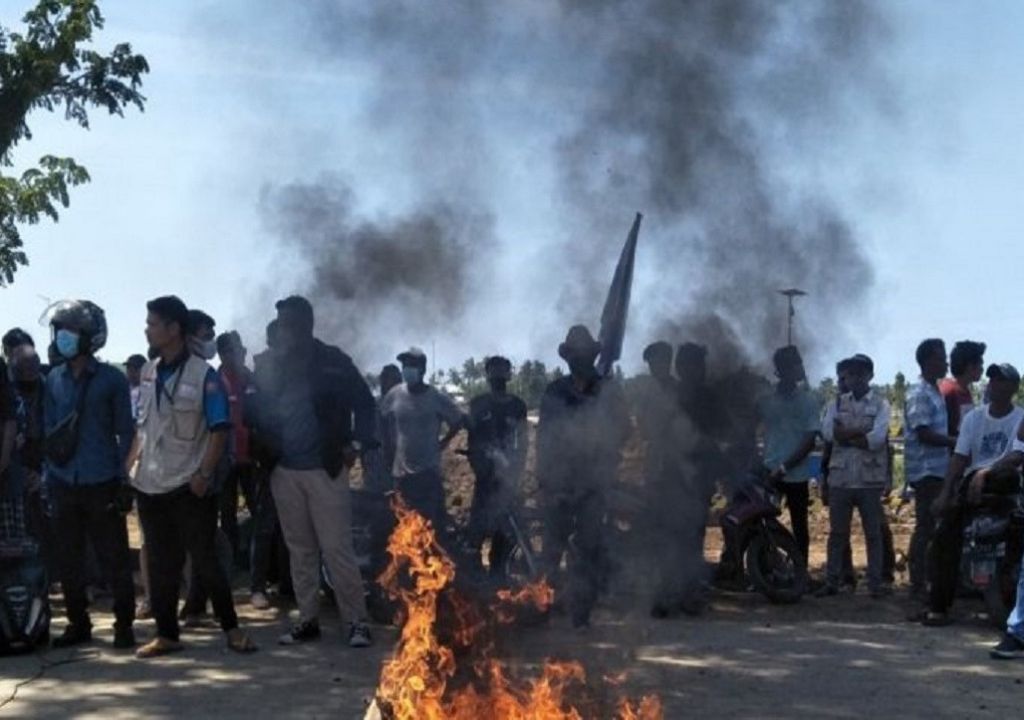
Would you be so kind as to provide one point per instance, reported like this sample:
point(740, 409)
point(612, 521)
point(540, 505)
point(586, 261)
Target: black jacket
point(344, 407)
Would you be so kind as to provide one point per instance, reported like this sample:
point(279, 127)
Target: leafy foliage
point(49, 66)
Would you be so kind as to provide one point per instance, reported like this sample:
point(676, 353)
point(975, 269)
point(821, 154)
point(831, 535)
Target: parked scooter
point(756, 541)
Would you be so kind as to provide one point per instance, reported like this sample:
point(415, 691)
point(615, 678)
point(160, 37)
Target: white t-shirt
point(985, 439)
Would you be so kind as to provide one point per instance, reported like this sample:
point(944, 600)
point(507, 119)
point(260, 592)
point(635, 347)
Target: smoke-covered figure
point(584, 423)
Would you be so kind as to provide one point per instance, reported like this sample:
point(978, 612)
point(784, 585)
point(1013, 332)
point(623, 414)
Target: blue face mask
point(67, 343)
point(411, 375)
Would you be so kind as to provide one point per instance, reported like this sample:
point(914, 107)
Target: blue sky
point(173, 204)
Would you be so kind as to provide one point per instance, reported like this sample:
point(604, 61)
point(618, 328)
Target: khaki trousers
point(315, 511)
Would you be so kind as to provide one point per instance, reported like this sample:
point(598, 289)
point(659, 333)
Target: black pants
point(238, 478)
point(87, 512)
point(579, 516)
point(267, 550)
point(487, 520)
point(177, 523)
point(798, 501)
point(944, 558)
point(424, 493)
point(926, 491)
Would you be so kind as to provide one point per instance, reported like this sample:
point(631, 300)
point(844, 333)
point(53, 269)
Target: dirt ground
point(841, 657)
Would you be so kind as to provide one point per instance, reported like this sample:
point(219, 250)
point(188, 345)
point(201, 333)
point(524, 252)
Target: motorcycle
point(993, 542)
point(756, 541)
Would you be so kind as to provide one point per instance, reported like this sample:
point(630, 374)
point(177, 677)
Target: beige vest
point(173, 432)
point(852, 467)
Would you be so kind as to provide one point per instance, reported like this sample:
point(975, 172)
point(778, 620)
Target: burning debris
point(431, 678)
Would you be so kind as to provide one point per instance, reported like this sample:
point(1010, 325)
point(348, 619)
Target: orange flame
point(417, 682)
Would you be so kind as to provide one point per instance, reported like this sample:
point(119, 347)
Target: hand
point(349, 455)
point(777, 474)
point(824, 493)
point(199, 485)
point(940, 506)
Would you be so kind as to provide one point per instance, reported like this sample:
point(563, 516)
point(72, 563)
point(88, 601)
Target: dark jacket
point(344, 407)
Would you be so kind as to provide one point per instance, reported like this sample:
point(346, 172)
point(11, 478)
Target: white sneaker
point(259, 600)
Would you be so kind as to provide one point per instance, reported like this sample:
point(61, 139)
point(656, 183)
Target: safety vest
point(852, 467)
point(172, 431)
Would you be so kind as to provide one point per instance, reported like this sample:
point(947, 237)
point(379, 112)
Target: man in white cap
point(413, 413)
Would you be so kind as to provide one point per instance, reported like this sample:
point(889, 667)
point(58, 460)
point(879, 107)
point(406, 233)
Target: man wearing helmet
point(89, 402)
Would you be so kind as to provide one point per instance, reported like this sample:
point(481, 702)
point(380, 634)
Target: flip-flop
point(936, 619)
point(158, 646)
point(243, 645)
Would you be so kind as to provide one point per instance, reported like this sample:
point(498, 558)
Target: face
point(935, 366)
point(692, 370)
point(580, 365)
point(497, 378)
point(660, 366)
point(791, 372)
point(858, 379)
point(160, 333)
point(413, 373)
point(975, 370)
point(26, 364)
point(1001, 391)
point(134, 373)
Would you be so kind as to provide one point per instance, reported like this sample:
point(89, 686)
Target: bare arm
point(200, 482)
point(929, 437)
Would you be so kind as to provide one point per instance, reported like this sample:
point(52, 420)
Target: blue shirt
point(105, 427)
point(788, 420)
point(924, 408)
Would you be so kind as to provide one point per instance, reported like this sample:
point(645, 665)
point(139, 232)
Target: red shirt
point(236, 385)
point(959, 402)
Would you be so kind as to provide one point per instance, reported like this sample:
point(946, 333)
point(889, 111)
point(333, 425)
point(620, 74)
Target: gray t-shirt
point(414, 421)
point(300, 431)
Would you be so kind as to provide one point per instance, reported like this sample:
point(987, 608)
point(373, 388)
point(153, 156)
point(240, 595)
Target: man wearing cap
point(497, 454)
point(857, 427)
point(316, 412)
point(584, 422)
point(413, 413)
point(790, 416)
point(986, 437)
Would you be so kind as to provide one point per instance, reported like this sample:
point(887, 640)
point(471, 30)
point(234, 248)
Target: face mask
point(67, 343)
point(205, 349)
point(411, 375)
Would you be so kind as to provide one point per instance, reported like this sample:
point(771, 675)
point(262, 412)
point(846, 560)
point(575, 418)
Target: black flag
point(616, 306)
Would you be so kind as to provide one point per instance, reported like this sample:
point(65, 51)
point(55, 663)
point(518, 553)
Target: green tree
point(51, 65)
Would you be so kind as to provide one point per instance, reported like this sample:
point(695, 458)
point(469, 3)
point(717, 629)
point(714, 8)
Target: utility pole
point(790, 294)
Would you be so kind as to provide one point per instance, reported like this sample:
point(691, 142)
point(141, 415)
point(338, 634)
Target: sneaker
point(259, 600)
point(359, 635)
point(1009, 648)
point(124, 638)
point(74, 634)
point(303, 632)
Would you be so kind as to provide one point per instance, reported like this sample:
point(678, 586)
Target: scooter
point(757, 541)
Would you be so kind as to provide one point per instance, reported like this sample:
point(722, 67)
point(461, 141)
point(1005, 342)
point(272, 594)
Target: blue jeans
point(1015, 623)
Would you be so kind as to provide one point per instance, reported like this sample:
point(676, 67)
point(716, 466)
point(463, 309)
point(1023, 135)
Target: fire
point(427, 679)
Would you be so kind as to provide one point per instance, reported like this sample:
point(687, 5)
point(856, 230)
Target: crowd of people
point(180, 442)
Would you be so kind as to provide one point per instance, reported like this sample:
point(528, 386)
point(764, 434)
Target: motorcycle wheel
point(1001, 596)
point(776, 566)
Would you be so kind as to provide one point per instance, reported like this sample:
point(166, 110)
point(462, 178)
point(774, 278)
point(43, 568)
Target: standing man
point(133, 371)
point(497, 454)
point(378, 461)
point(790, 417)
point(183, 429)
point(926, 454)
point(237, 379)
point(414, 413)
point(88, 425)
point(986, 436)
point(584, 423)
point(966, 361)
point(857, 428)
point(310, 396)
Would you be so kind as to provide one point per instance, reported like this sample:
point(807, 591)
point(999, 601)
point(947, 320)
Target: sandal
point(158, 646)
point(936, 619)
point(239, 642)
